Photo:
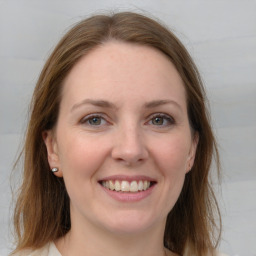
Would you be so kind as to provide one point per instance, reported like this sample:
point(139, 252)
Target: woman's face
point(122, 142)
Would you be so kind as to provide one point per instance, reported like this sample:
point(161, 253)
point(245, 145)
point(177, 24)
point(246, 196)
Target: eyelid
point(92, 115)
point(168, 117)
point(163, 115)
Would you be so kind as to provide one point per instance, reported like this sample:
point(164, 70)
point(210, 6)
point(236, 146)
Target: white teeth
point(145, 185)
point(140, 187)
point(126, 186)
point(117, 186)
point(134, 186)
point(111, 185)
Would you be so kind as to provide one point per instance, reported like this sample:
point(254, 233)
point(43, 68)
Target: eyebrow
point(98, 103)
point(157, 103)
point(107, 104)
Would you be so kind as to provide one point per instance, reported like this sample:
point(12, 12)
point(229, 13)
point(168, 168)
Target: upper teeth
point(126, 186)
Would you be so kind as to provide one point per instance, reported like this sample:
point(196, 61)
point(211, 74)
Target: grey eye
point(95, 120)
point(158, 120)
point(161, 120)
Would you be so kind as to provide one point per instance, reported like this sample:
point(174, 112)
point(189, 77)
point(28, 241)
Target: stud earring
point(55, 169)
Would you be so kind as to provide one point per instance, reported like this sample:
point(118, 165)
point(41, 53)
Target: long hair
point(42, 207)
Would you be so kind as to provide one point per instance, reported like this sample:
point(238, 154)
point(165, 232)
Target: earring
point(55, 169)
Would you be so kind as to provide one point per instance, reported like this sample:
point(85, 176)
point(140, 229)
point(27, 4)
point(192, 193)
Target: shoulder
point(169, 253)
point(47, 250)
point(44, 251)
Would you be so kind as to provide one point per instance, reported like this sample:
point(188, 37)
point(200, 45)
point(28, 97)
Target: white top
point(48, 250)
point(51, 250)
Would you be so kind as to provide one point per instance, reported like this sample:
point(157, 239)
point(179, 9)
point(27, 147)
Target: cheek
point(80, 156)
point(172, 161)
point(173, 155)
point(80, 159)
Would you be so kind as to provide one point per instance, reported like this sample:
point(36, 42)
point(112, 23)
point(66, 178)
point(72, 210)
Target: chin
point(131, 223)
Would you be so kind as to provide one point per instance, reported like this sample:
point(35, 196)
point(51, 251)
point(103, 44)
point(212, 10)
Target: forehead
point(115, 68)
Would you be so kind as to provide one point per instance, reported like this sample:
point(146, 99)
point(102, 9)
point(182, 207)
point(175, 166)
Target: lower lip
point(129, 196)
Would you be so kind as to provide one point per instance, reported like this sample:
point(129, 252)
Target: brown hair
point(42, 208)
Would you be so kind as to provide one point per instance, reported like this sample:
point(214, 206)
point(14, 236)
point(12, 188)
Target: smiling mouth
point(127, 186)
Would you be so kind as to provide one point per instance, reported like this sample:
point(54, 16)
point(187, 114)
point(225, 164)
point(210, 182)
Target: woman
point(118, 147)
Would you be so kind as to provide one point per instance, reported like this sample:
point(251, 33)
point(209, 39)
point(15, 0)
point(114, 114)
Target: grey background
point(220, 35)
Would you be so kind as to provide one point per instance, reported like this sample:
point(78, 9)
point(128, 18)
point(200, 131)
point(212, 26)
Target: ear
point(192, 152)
point(52, 151)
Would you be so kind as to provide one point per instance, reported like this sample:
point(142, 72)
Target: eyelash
point(170, 120)
point(166, 117)
point(87, 119)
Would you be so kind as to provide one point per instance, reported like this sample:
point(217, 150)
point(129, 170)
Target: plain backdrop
point(221, 37)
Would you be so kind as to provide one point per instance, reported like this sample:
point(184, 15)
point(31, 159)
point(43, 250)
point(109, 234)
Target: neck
point(83, 240)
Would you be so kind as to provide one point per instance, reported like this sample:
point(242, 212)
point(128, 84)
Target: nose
point(129, 146)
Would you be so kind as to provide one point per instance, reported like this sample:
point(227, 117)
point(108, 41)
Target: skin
point(144, 131)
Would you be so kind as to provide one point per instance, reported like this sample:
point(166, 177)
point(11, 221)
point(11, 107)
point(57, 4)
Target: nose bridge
point(129, 146)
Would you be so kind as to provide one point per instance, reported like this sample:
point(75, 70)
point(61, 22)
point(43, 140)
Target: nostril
point(129, 161)
point(129, 156)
